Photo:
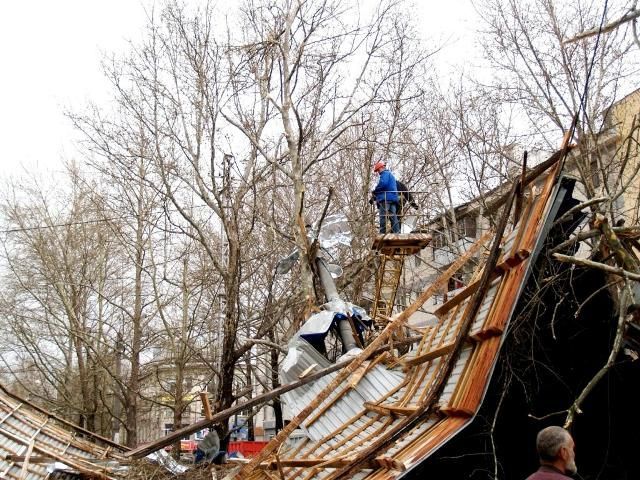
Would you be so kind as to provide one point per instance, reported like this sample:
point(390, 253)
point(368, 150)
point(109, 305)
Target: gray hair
point(549, 441)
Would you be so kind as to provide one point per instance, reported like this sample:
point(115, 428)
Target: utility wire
point(85, 222)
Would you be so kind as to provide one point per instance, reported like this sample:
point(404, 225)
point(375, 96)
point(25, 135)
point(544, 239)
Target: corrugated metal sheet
point(26, 433)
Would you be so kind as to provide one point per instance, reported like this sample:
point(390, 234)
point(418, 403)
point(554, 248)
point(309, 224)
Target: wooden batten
point(389, 410)
point(428, 356)
point(457, 412)
point(378, 462)
point(307, 371)
point(35, 459)
point(390, 463)
point(486, 333)
point(513, 260)
point(501, 268)
point(206, 406)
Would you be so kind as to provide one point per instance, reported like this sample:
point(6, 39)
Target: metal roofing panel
point(25, 431)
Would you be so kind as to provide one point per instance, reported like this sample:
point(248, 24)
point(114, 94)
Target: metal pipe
point(331, 292)
point(329, 286)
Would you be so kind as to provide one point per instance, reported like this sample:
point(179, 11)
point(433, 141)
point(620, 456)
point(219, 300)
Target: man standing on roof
point(556, 452)
point(386, 197)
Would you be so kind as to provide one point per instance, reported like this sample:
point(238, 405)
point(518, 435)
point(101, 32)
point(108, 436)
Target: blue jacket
point(387, 189)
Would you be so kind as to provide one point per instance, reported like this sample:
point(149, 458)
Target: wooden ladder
point(387, 282)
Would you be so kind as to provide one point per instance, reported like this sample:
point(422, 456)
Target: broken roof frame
point(451, 393)
point(34, 441)
point(447, 375)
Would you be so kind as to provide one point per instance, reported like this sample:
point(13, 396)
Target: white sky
point(50, 53)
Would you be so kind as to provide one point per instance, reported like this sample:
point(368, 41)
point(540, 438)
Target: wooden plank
point(206, 406)
point(499, 270)
point(428, 356)
point(389, 409)
point(401, 244)
point(457, 412)
point(307, 370)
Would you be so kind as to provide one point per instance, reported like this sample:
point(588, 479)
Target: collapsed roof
point(377, 417)
point(34, 444)
point(381, 416)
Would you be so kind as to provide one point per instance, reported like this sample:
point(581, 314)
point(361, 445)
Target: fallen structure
point(381, 416)
point(36, 444)
point(373, 415)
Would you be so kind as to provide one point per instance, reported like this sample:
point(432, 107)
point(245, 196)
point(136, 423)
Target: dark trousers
point(389, 211)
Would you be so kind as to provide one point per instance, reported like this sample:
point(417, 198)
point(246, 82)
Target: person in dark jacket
point(557, 456)
point(406, 197)
point(386, 197)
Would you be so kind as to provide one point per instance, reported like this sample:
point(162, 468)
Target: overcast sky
point(51, 52)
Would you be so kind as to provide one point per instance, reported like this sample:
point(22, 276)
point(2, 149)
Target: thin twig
point(617, 345)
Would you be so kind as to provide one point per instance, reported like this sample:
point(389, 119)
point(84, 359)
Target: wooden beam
point(389, 410)
point(500, 269)
point(457, 412)
point(206, 406)
point(428, 356)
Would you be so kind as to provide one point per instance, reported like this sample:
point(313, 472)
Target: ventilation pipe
point(331, 292)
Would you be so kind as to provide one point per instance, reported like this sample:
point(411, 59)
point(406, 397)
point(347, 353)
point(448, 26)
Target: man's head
point(555, 447)
point(379, 166)
point(633, 311)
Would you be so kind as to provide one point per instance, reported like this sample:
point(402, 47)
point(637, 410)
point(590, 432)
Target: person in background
point(208, 450)
point(386, 198)
point(406, 197)
point(557, 456)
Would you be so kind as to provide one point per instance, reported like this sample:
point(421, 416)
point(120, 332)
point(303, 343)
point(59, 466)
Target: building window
point(595, 173)
point(438, 241)
point(168, 428)
point(466, 226)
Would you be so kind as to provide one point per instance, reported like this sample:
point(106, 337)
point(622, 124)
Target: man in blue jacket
point(386, 197)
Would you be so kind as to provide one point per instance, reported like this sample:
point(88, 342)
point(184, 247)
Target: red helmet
point(379, 166)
